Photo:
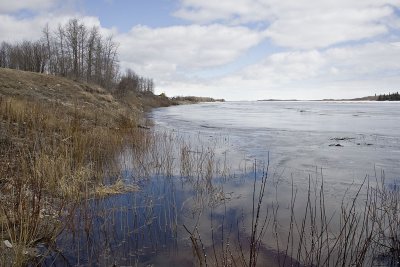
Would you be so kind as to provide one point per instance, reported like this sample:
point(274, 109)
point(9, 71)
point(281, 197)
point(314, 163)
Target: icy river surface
point(346, 140)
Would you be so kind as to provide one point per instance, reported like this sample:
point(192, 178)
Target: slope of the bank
point(59, 144)
point(45, 88)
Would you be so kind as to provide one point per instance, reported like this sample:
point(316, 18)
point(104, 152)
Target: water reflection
point(198, 192)
point(126, 229)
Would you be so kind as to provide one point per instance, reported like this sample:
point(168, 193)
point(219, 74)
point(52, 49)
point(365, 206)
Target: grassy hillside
point(47, 89)
point(59, 140)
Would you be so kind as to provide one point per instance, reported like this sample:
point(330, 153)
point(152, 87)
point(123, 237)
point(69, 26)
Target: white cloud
point(14, 6)
point(13, 29)
point(244, 11)
point(300, 24)
point(184, 48)
point(368, 60)
point(331, 27)
point(372, 60)
point(335, 73)
point(224, 10)
point(286, 66)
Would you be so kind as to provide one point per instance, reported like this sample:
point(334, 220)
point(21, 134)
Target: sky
point(237, 49)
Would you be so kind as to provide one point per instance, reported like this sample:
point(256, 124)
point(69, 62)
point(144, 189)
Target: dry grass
point(58, 141)
point(119, 187)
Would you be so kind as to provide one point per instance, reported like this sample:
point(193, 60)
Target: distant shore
point(365, 98)
point(182, 100)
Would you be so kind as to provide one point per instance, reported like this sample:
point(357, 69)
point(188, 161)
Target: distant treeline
point(195, 99)
point(389, 97)
point(73, 51)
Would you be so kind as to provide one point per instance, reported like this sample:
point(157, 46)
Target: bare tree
point(71, 50)
point(132, 82)
point(93, 36)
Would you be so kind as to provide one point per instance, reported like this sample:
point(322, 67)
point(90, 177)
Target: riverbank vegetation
point(59, 140)
point(389, 97)
point(194, 99)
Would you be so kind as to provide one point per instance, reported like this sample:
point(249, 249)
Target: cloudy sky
point(238, 49)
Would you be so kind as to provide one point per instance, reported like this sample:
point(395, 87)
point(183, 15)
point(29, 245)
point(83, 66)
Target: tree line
point(196, 99)
point(389, 97)
point(131, 82)
point(74, 51)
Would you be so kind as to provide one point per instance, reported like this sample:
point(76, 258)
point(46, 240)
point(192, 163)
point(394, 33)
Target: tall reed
point(51, 157)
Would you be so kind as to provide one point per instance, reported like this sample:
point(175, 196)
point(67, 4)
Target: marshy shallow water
point(200, 184)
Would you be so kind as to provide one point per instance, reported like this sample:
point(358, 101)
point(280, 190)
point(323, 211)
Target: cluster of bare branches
point(132, 82)
point(27, 55)
point(71, 50)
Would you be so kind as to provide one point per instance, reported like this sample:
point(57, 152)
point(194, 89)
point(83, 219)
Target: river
point(200, 185)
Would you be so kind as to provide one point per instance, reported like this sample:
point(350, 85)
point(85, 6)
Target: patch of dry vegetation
point(118, 187)
point(59, 139)
point(145, 100)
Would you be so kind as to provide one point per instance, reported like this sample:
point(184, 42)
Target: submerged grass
point(119, 187)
